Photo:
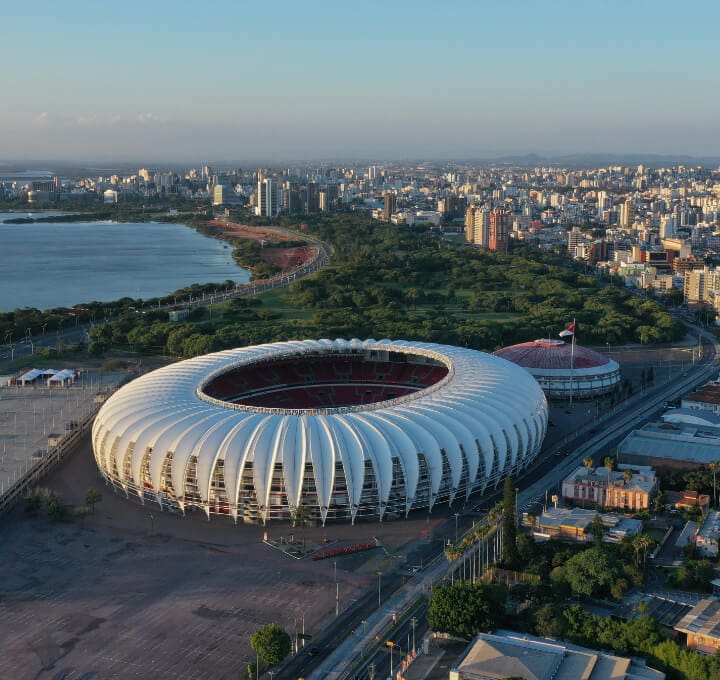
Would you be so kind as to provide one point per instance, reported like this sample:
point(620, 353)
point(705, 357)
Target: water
point(64, 264)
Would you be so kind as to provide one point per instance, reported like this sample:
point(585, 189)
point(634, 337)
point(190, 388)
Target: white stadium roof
point(161, 436)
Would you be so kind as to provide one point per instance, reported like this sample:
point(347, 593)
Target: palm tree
point(588, 462)
point(627, 476)
point(714, 466)
point(609, 463)
point(641, 543)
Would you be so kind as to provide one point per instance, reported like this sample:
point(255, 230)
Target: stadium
point(348, 429)
point(561, 372)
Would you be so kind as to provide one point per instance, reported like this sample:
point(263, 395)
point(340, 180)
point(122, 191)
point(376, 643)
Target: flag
point(570, 330)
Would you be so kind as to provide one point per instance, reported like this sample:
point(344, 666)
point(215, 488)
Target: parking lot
point(28, 415)
point(130, 592)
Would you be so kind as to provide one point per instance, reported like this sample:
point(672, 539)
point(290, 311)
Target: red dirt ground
point(285, 258)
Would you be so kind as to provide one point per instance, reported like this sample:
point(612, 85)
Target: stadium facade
point(560, 371)
point(349, 429)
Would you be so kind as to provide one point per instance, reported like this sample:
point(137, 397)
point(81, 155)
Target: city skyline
point(394, 81)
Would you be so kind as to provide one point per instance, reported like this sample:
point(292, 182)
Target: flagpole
point(572, 361)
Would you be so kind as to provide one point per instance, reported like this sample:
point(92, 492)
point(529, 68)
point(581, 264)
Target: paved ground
point(127, 595)
point(133, 592)
point(29, 414)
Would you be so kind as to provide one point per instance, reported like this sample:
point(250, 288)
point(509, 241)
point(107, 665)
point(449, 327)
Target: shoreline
point(284, 259)
point(91, 219)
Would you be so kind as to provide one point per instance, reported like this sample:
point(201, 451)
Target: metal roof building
point(562, 371)
point(671, 445)
point(345, 428)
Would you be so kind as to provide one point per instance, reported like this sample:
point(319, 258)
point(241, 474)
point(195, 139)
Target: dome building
point(549, 361)
point(349, 429)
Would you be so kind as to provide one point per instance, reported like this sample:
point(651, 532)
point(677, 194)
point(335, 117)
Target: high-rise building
point(699, 283)
point(452, 206)
point(267, 198)
point(312, 202)
point(498, 229)
point(627, 214)
point(390, 207)
point(219, 194)
point(667, 226)
point(575, 238)
point(604, 203)
point(477, 225)
point(293, 198)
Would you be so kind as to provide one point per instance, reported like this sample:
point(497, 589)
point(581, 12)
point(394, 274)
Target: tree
point(643, 543)
point(597, 529)
point(511, 556)
point(588, 462)
point(272, 643)
point(300, 517)
point(609, 464)
point(462, 609)
point(549, 621)
point(92, 497)
point(590, 571)
point(627, 476)
point(714, 465)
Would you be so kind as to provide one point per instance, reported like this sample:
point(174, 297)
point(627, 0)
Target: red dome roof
point(551, 354)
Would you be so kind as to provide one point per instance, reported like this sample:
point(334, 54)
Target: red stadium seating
point(322, 382)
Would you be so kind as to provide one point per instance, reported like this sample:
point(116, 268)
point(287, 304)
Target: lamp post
point(457, 514)
point(390, 644)
point(379, 585)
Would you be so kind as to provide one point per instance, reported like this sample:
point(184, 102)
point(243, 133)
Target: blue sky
point(310, 80)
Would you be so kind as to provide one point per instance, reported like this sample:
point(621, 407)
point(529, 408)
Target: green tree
point(300, 517)
point(92, 498)
point(609, 464)
point(597, 529)
point(590, 572)
point(510, 553)
point(549, 621)
point(641, 544)
point(462, 609)
point(272, 643)
point(714, 466)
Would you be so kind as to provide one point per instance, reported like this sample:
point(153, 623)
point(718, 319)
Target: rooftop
point(684, 442)
point(555, 355)
point(710, 528)
point(707, 394)
point(703, 619)
point(508, 654)
point(643, 478)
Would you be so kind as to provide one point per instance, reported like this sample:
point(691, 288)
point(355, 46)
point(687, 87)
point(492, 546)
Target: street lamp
point(390, 644)
point(457, 514)
point(379, 585)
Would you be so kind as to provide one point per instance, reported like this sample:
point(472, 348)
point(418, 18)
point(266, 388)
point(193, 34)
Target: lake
point(64, 264)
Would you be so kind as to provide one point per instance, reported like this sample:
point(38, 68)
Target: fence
point(55, 454)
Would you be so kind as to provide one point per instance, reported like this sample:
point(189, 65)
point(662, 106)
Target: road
point(591, 440)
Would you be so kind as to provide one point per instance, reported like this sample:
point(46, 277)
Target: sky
point(314, 80)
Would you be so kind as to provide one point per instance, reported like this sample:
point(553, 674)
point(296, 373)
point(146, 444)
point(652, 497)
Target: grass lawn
point(656, 534)
point(278, 301)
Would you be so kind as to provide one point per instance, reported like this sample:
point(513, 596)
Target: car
point(313, 651)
